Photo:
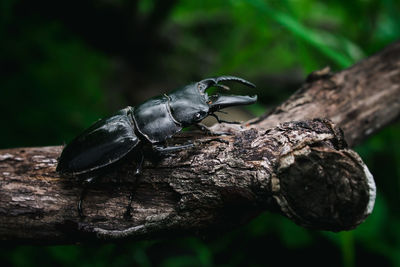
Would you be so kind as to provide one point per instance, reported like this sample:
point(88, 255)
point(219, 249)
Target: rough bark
point(301, 169)
point(360, 100)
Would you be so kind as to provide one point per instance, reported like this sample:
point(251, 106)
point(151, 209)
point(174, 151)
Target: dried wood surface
point(360, 100)
point(285, 161)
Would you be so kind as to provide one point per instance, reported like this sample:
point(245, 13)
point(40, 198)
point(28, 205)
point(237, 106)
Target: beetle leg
point(221, 121)
point(208, 131)
point(128, 211)
point(236, 79)
point(86, 184)
point(203, 128)
point(139, 165)
point(138, 171)
point(169, 149)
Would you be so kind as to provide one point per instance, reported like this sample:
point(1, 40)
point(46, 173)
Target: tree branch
point(360, 100)
point(301, 169)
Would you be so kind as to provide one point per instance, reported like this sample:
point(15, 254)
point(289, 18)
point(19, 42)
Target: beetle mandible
point(111, 139)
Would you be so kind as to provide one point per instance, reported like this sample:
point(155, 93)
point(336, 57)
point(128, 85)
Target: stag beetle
point(111, 139)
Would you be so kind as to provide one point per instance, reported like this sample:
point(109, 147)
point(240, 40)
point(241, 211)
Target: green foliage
point(53, 84)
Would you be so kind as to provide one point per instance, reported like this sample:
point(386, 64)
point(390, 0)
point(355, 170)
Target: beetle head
point(191, 104)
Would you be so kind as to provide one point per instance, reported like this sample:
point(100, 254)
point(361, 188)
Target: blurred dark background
point(64, 64)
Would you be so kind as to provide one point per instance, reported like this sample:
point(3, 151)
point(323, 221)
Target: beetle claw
point(206, 83)
point(224, 101)
point(236, 79)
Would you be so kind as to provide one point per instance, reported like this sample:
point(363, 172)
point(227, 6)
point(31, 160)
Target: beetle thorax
point(154, 120)
point(188, 105)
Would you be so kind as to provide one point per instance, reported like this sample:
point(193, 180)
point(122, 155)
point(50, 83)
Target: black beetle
point(110, 139)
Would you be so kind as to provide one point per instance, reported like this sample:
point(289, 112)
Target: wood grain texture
point(360, 100)
point(216, 184)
